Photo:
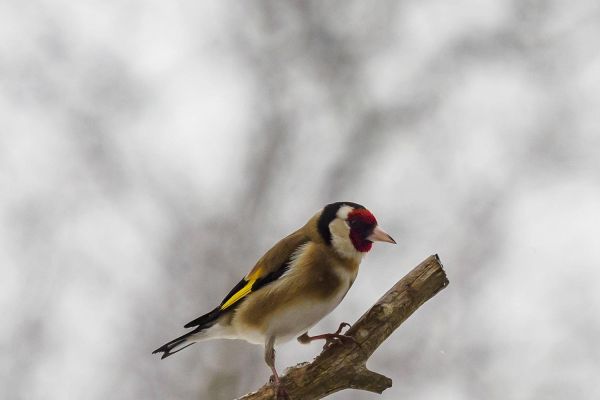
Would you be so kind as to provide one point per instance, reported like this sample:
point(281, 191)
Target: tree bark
point(343, 365)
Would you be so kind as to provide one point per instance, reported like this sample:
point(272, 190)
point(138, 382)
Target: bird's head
point(350, 228)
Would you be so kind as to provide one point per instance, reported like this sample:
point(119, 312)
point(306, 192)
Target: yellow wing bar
point(244, 291)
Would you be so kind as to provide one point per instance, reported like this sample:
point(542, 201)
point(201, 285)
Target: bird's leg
point(270, 360)
point(329, 337)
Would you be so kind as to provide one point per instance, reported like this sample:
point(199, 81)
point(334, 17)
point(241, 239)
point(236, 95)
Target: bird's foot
point(280, 392)
point(333, 339)
point(330, 338)
point(337, 336)
point(341, 327)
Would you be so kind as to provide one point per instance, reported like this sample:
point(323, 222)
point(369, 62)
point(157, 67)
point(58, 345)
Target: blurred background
point(151, 151)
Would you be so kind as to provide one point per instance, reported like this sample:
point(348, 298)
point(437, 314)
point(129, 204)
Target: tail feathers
point(206, 319)
point(202, 323)
point(176, 345)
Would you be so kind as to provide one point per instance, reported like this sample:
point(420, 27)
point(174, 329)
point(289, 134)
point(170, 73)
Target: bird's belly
point(294, 321)
point(288, 322)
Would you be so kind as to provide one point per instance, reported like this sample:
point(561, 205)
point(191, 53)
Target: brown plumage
point(300, 280)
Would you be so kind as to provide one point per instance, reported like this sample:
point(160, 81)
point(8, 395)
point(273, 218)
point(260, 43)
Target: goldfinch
point(293, 286)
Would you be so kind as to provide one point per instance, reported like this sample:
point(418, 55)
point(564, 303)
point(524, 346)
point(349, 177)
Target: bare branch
point(343, 366)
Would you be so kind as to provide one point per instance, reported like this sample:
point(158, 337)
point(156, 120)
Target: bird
point(296, 283)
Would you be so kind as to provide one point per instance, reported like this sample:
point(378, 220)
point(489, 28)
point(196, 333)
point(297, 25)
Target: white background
point(151, 151)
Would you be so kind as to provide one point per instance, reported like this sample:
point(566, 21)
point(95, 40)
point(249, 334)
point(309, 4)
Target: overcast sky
point(151, 151)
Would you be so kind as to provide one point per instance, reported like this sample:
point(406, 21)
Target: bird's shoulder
point(279, 255)
point(273, 264)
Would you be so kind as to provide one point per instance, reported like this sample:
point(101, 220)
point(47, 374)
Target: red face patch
point(361, 223)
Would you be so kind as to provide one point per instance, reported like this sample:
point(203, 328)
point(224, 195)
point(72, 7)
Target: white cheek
point(339, 228)
point(345, 248)
point(340, 240)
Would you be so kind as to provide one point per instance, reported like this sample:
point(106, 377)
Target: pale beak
point(379, 235)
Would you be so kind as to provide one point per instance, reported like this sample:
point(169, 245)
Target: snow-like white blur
point(151, 151)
